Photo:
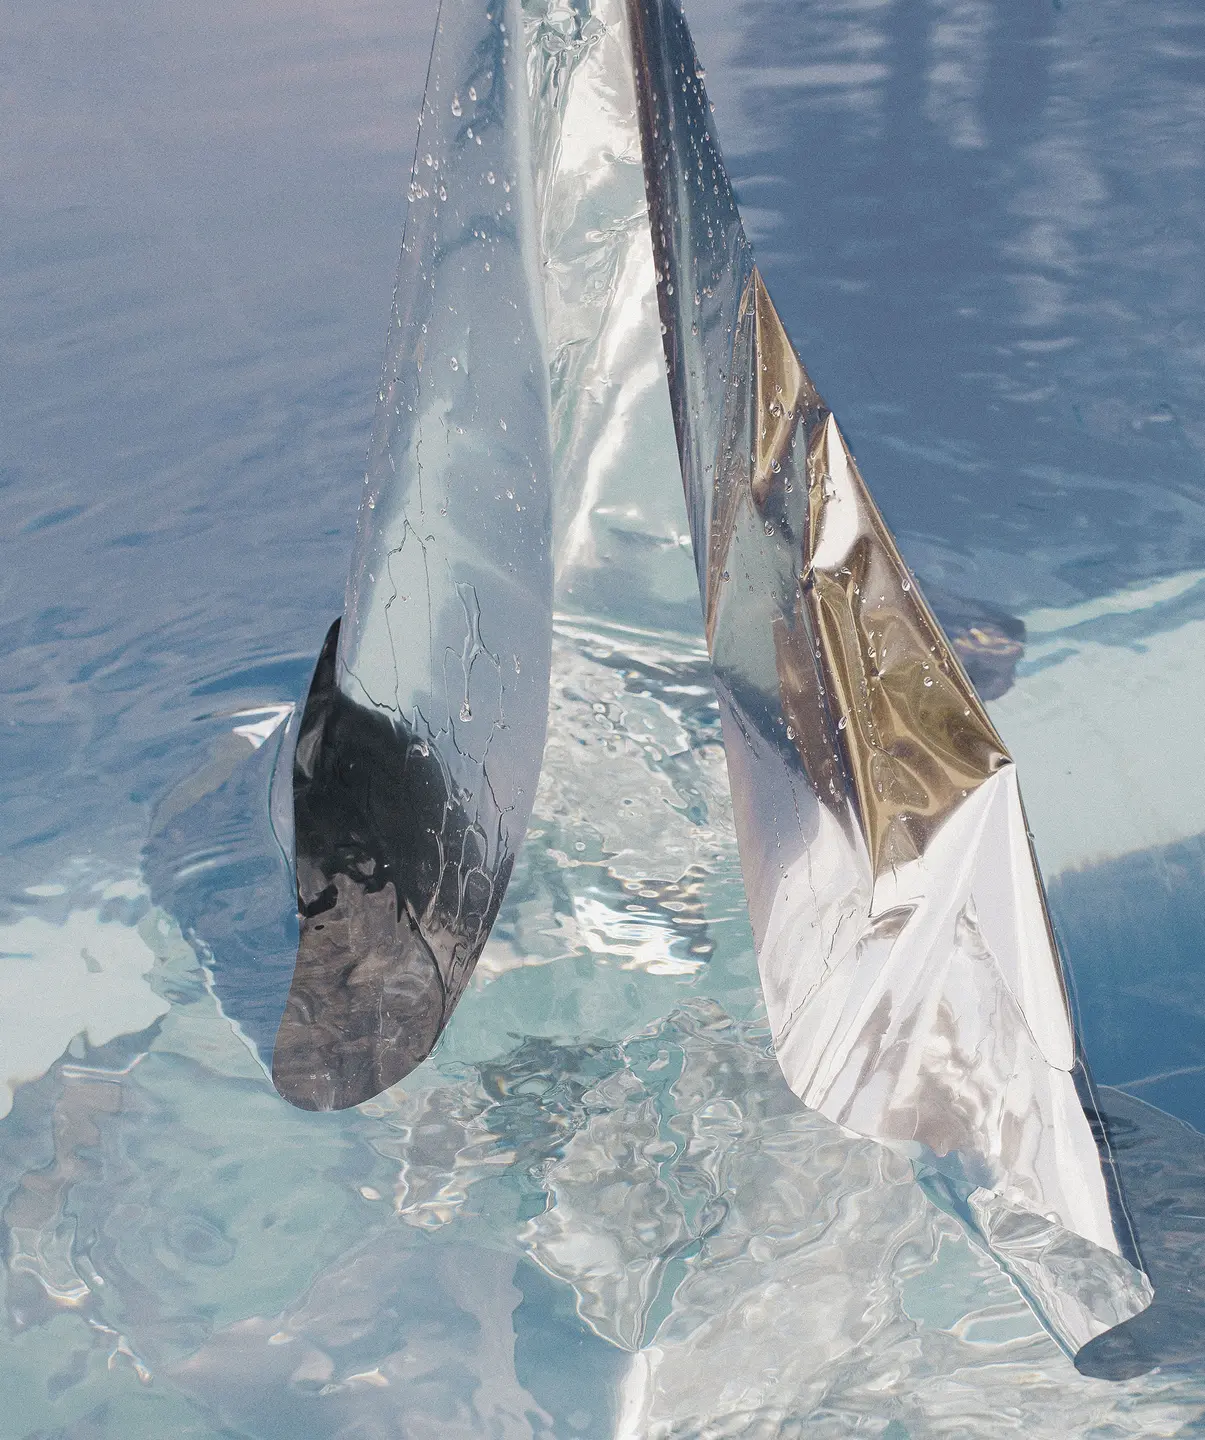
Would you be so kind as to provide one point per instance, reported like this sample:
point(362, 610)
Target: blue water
point(984, 226)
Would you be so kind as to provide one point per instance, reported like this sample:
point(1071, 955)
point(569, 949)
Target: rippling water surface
point(597, 1210)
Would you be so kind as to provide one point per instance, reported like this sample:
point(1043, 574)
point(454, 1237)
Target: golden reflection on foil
point(912, 731)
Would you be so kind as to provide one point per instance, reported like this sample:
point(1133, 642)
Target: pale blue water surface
point(597, 1210)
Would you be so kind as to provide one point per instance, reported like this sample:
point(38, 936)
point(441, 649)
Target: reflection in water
point(984, 232)
point(398, 883)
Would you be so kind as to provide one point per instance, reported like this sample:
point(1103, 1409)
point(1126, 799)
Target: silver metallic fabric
point(577, 293)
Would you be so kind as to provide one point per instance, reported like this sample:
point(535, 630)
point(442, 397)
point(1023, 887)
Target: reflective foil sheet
point(577, 293)
point(909, 968)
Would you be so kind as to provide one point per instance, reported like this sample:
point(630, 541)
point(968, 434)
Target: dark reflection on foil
point(399, 879)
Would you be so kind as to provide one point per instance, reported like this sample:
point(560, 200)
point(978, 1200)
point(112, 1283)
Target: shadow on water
point(1161, 1161)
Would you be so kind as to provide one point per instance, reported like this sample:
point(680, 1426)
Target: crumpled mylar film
point(573, 240)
